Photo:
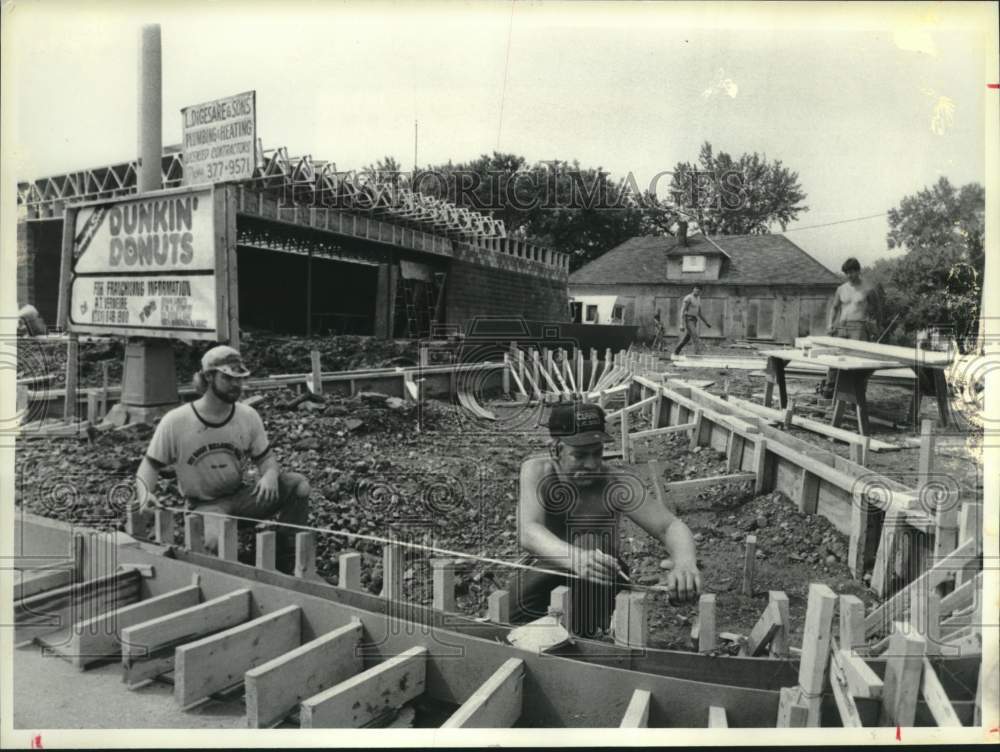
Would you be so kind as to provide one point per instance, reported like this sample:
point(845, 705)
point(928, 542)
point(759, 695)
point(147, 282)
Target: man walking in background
point(690, 315)
point(855, 310)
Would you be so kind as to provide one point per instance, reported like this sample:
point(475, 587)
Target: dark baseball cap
point(578, 424)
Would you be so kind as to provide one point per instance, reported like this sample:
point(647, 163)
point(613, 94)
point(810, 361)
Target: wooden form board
point(275, 687)
point(54, 610)
point(637, 712)
point(497, 703)
point(359, 700)
point(906, 355)
point(148, 647)
point(218, 662)
point(101, 636)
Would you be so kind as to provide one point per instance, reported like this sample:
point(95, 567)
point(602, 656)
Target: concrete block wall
point(476, 290)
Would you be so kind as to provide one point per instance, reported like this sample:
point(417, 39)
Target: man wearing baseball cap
point(568, 513)
point(211, 442)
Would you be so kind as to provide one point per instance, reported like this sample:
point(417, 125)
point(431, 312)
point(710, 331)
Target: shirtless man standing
point(568, 515)
point(855, 306)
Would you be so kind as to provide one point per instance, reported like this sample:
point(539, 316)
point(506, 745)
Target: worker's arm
point(263, 456)
point(834, 314)
point(684, 580)
point(146, 478)
point(545, 545)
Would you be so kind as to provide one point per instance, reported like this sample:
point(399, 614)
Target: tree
point(939, 279)
point(742, 196)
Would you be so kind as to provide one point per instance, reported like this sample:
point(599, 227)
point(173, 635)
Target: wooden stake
point(808, 492)
point(630, 619)
point(194, 533)
point(760, 465)
point(265, 550)
point(902, 677)
point(228, 539)
point(749, 559)
point(706, 623)
point(816, 648)
point(392, 572)
point(349, 571)
point(696, 431)
point(852, 624)
point(317, 373)
point(792, 713)
point(859, 450)
point(164, 526)
point(626, 450)
point(560, 600)
point(498, 607)
point(444, 584)
point(637, 712)
point(72, 377)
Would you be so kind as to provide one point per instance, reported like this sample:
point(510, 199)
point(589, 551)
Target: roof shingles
point(754, 260)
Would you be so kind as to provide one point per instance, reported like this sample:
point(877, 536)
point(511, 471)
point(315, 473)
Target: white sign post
point(151, 266)
point(220, 139)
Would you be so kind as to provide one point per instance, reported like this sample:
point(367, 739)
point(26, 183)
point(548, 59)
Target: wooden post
point(444, 584)
point(265, 553)
point(858, 538)
point(749, 558)
point(498, 607)
point(505, 375)
point(734, 452)
point(92, 408)
point(228, 539)
point(779, 645)
point(194, 533)
point(105, 366)
point(946, 525)
point(706, 622)
point(72, 377)
point(792, 713)
point(928, 445)
point(902, 677)
point(808, 492)
point(317, 373)
point(349, 571)
point(696, 431)
point(816, 648)
point(852, 624)
point(164, 526)
point(760, 465)
point(581, 387)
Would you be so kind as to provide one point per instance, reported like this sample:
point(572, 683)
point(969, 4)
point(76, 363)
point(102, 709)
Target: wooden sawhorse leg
point(850, 389)
point(775, 374)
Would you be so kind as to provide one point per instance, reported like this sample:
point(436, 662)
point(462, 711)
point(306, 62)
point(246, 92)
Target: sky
point(868, 103)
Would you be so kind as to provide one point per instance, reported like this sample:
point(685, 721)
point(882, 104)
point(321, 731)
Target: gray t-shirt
point(209, 458)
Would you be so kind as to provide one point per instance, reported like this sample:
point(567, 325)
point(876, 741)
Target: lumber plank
point(498, 607)
point(902, 677)
point(936, 698)
point(749, 560)
point(148, 647)
point(651, 432)
point(764, 630)
point(637, 712)
point(631, 626)
point(816, 647)
point(443, 584)
point(964, 595)
point(101, 636)
point(163, 526)
point(496, 703)
point(31, 582)
point(275, 687)
point(53, 610)
point(228, 539)
point(561, 601)
point(194, 533)
point(219, 661)
point(355, 702)
point(792, 713)
point(392, 572)
point(305, 557)
point(265, 550)
point(852, 623)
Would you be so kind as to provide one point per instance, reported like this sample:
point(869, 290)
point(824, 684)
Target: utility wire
point(506, 66)
point(838, 222)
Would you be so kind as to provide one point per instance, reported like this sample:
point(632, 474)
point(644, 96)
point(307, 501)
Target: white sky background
point(846, 98)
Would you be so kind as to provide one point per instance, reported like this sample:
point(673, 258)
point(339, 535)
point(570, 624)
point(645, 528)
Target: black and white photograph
point(499, 373)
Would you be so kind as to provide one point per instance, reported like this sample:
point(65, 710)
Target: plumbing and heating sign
point(220, 139)
point(147, 266)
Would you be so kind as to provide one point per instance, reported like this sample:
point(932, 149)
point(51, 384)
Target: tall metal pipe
point(150, 109)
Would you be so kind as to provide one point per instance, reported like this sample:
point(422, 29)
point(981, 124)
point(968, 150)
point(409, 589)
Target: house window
point(693, 264)
point(591, 314)
point(812, 316)
point(617, 314)
point(714, 311)
point(575, 312)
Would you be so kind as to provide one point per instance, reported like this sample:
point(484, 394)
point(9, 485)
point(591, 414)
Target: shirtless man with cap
point(570, 505)
point(210, 442)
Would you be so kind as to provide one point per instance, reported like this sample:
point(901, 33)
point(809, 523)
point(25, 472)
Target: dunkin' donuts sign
point(147, 263)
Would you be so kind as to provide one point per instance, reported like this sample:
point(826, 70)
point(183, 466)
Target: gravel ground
point(432, 475)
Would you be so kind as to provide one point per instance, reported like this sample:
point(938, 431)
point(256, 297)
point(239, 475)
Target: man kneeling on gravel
point(210, 443)
point(568, 514)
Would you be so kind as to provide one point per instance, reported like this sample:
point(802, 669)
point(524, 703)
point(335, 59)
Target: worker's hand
point(266, 489)
point(594, 565)
point(683, 584)
point(708, 325)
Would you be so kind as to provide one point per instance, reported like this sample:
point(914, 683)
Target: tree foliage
point(938, 281)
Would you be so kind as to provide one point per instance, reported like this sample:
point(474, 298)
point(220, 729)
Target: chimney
point(682, 233)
